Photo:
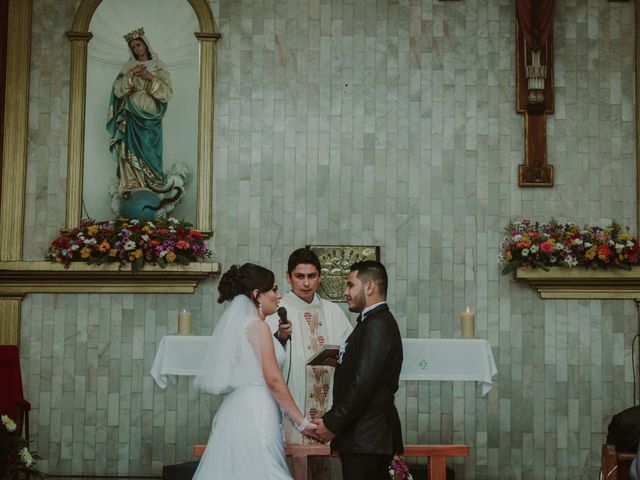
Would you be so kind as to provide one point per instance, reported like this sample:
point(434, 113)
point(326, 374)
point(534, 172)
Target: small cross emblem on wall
point(423, 365)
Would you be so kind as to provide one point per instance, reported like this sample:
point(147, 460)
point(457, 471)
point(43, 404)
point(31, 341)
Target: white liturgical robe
point(313, 325)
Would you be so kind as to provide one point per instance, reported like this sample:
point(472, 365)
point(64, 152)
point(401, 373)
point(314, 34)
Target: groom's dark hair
point(372, 270)
point(303, 256)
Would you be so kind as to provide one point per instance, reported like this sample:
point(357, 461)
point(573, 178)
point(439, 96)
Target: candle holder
point(468, 323)
point(184, 323)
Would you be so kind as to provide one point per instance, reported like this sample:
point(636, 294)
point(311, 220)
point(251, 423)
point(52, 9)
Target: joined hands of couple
point(316, 430)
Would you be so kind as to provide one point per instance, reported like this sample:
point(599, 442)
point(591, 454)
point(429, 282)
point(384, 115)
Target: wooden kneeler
point(436, 456)
point(615, 465)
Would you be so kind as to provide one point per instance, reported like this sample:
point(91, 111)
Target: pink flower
point(182, 245)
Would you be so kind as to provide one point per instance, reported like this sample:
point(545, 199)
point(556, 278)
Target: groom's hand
point(322, 433)
point(309, 431)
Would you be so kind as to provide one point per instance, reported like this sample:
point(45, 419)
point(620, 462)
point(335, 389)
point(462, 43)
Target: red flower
point(61, 242)
point(546, 247)
point(603, 252)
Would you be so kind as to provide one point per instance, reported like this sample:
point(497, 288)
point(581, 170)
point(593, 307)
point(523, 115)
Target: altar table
point(446, 359)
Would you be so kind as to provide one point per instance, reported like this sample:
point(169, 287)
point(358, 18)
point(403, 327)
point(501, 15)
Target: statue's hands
point(145, 75)
point(137, 69)
point(141, 72)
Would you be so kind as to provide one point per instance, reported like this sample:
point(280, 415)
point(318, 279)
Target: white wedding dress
point(246, 440)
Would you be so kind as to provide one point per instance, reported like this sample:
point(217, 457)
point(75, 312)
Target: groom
point(363, 423)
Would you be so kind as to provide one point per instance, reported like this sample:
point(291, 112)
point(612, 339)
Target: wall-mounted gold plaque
point(335, 262)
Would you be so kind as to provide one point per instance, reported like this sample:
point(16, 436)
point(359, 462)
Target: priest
point(311, 323)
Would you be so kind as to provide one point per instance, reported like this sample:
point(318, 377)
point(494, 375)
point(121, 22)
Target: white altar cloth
point(424, 359)
point(178, 355)
point(448, 359)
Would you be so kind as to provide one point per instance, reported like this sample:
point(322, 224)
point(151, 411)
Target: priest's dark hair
point(303, 256)
point(372, 270)
point(242, 280)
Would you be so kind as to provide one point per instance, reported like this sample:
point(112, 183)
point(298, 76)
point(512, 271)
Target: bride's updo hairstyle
point(242, 280)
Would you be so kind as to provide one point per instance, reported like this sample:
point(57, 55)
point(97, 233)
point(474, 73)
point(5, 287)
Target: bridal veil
point(231, 361)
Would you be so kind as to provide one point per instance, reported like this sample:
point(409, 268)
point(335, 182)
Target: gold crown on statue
point(137, 33)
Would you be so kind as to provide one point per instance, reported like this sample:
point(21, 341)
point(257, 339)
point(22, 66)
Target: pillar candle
point(468, 323)
point(184, 323)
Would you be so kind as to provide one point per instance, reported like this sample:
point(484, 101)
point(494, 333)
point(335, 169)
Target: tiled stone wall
point(363, 122)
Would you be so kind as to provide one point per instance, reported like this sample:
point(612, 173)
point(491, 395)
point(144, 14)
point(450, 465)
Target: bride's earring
point(260, 307)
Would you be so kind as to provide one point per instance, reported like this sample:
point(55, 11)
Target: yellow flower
point(85, 252)
point(509, 256)
point(137, 253)
point(147, 229)
point(26, 457)
point(591, 253)
point(113, 252)
point(9, 424)
point(171, 257)
point(625, 237)
point(92, 230)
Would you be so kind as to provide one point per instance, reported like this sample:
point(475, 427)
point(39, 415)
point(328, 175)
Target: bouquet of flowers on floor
point(15, 456)
point(132, 241)
point(398, 469)
point(544, 245)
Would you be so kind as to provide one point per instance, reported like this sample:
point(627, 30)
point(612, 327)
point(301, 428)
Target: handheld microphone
point(282, 313)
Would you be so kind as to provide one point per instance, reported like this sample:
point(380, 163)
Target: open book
point(327, 355)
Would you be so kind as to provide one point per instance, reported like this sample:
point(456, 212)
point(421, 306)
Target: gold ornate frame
point(335, 262)
point(16, 112)
point(79, 37)
point(19, 278)
point(637, 54)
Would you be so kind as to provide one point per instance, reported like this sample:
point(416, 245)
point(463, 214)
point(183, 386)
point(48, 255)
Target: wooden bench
point(436, 456)
point(615, 465)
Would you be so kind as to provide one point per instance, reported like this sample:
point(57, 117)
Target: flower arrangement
point(398, 469)
point(545, 245)
point(130, 241)
point(15, 456)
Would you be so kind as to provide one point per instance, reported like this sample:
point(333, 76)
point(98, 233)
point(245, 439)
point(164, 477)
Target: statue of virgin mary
point(137, 106)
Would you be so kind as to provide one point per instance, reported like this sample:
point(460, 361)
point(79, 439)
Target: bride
point(242, 362)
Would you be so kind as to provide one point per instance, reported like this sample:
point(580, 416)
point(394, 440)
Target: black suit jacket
point(364, 417)
point(624, 430)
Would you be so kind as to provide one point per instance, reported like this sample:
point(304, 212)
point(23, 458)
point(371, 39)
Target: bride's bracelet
point(302, 425)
